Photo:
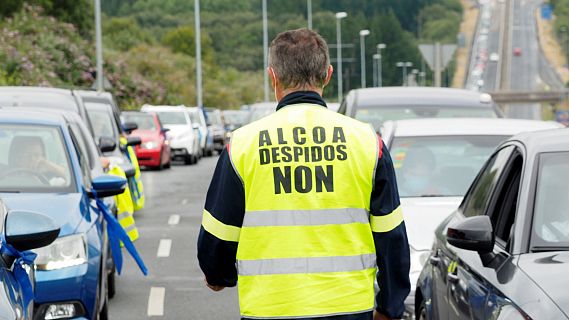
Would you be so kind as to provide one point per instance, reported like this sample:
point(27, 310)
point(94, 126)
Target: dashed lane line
point(174, 219)
point(156, 301)
point(164, 248)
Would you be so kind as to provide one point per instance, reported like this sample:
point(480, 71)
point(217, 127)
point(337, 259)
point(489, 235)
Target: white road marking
point(185, 202)
point(174, 219)
point(164, 248)
point(156, 301)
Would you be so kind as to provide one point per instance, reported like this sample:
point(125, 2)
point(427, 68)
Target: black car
point(504, 254)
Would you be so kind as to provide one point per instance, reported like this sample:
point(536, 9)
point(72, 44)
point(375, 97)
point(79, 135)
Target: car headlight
point(418, 259)
point(62, 253)
point(149, 145)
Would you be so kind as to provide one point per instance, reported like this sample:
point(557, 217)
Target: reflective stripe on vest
point(305, 248)
point(306, 265)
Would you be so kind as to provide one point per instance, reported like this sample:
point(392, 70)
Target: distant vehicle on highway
point(494, 57)
point(234, 119)
point(50, 164)
point(154, 150)
point(504, 253)
point(198, 121)
point(377, 105)
point(216, 128)
point(23, 230)
point(184, 137)
point(435, 161)
point(517, 51)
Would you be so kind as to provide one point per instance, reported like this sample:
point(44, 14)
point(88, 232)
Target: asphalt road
point(174, 288)
point(491, 76)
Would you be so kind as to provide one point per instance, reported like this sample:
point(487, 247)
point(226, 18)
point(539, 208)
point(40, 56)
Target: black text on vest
point(303, 159)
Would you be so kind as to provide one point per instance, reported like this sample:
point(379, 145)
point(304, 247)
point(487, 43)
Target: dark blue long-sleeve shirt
point(226, 202)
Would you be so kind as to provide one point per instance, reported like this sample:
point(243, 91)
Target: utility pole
point(309, 13)
point(363, 34)
point(265, 50)
point(99, 46)
point(375, 59)
point(198, 54)
point(339, 17)
point(438, 67)
point(380, 47)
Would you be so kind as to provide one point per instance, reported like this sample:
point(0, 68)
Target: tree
point(183, 39)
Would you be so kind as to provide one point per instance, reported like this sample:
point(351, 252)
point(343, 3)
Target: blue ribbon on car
point(21, 258)
point(117, 235)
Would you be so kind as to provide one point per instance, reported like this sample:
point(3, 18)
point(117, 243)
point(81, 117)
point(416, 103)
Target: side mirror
point(195, 126)
point(107, 144)
point(133, 141)
point(107, 186)
point(129, 127)
point(164, 130)
point(26, 230)
point(474, 233)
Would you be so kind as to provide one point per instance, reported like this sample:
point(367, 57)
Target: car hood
point(64, 209)
point(177, 129)
point(423, 215)
point(547, 270)
point(146, 135)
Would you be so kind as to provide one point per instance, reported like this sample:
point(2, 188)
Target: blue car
point(21, 231)
point(49, 163)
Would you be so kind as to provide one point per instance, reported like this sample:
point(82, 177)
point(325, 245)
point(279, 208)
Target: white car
point(435, 162)
point(184, 137)
point(198, 120)
point(494, 57)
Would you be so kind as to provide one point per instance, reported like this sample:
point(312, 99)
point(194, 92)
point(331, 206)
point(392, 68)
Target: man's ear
point(273, 77)
point(329, 73)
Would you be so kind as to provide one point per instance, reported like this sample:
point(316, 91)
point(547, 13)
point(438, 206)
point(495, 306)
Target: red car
point(154, 151)
point(517, 51)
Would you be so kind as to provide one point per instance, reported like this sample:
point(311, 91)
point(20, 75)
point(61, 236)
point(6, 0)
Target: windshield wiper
point(431, 195)
point(10, 191)
point(549, 248)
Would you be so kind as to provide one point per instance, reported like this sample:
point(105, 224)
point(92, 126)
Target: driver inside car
point(28, 153)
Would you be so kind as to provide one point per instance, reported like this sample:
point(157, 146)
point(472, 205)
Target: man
point(303, 204)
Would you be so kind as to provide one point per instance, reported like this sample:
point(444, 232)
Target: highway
point(169, 226)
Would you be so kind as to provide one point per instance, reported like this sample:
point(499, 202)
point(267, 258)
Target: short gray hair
point(299, 58)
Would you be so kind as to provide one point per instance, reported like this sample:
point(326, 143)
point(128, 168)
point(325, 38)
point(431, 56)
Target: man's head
point(299, 61)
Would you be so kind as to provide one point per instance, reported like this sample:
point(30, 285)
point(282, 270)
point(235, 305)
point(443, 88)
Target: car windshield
point(235, 118)
point(172, 117)
point(143, 121)
point(439, 166)
point(33, 158)
point(101, 120)
point(214, 118)
point(376, 115)
point(551, 209)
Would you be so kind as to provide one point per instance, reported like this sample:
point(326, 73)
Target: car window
point(551, 208)
point(143, 121)
point(102, 121)
point(194, 118)
point(502, 210)
point(81, 150)
point(172, 117)
point(439, 165)
point(34, 158)
point(81, 140)
point(376, 115)
point(478, 197)
point(214, 118)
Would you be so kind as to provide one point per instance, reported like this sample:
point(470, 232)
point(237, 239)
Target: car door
point(445, 265)
point(471, 277)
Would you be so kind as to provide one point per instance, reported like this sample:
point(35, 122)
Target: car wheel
point(168, 164)
point(161, 165)
point(422, 312)
point(104, 314)
point(111, 282)
point(188, 159)
point(209, 152)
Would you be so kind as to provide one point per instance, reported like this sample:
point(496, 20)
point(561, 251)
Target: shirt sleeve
point(221, 224)
point(390, 237)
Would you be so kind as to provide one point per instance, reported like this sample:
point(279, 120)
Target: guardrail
point(529, 97)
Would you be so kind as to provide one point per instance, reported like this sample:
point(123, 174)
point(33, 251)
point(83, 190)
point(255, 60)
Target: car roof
point(545, 141)
point(263, 105)
point(93, 94)
point(421, 96)
point(466, 126)
point(33, 116)
point(26, 96)
point(148, 107)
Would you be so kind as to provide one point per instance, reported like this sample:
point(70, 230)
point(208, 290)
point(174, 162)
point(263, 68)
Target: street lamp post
point(339, 17)
point(265, 51)
point(99, 46)
point(198, 54)
point(376, 58)
point(309, 13)
point(404, 66)
point(422, 75)
point(380, 47)
point(407, 65)
point(363, 34)
point(415, 73)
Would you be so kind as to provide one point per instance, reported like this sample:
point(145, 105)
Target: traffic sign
point(429, 54)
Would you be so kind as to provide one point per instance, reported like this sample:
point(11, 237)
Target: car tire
point(168, 164)
point(104, 314)
point(188, 159)
point(422, 312)
point(161, 165)
point(209, 153)
point(111, 286)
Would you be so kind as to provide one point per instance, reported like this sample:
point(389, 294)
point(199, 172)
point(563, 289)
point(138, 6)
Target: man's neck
point(285, 92)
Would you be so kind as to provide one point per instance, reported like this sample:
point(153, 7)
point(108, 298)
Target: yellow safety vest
point(138, 194)
point(306, 246)
point(125, 207)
